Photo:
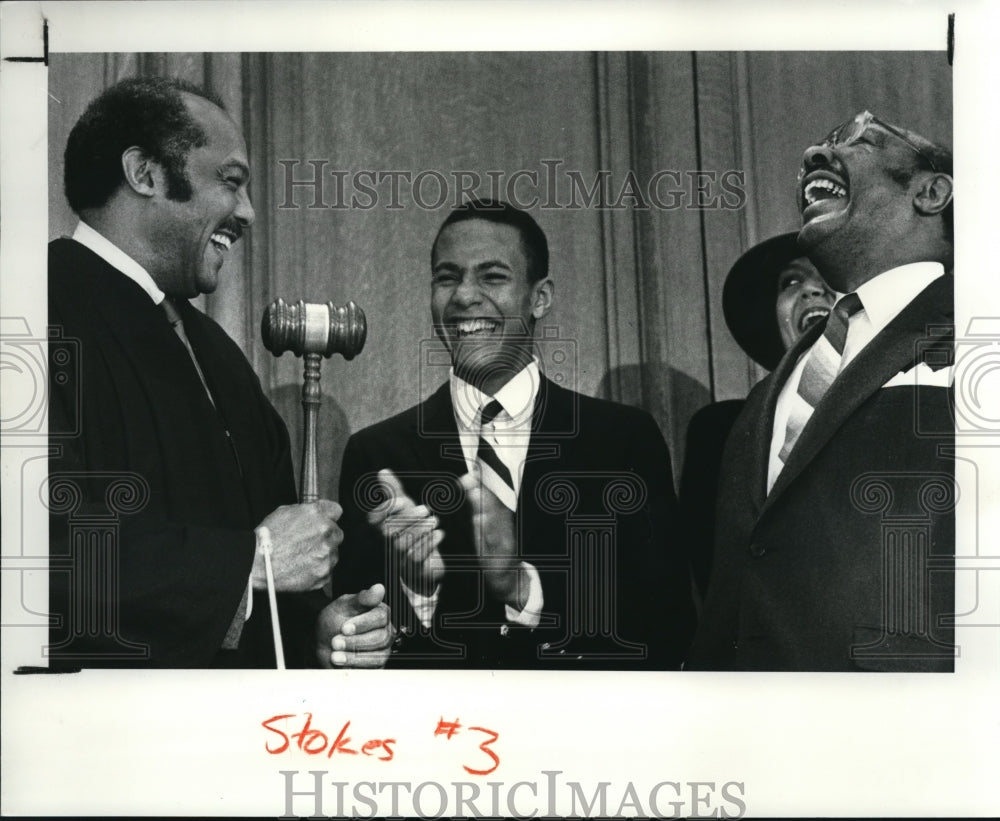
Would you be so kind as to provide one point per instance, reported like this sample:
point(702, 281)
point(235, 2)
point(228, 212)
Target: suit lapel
point(437, 452)
point(555, 416)
point(155, 378)
point(435, 434)
point(215, 363)
point(893, 350)
point(143, 334)
point(763, 410)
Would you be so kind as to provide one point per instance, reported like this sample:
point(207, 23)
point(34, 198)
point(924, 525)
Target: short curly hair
point(147, 112)
point(533, 241)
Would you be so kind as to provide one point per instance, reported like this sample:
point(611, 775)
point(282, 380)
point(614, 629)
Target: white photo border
point(181, 742)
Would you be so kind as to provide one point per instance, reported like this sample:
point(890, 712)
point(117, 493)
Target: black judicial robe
point(154, 492)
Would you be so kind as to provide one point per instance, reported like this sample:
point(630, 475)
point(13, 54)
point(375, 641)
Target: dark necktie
point(177, 322)
point(232, 637)
point(496, 475)
point(820, 369)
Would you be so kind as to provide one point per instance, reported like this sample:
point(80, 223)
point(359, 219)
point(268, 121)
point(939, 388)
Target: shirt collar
point(885, 295)
point(517, 397)
point(117, 258)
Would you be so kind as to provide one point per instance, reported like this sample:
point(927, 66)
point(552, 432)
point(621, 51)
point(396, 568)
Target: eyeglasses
point(852, 131)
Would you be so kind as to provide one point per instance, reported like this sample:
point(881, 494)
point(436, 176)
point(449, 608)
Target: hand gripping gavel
point(314, 331)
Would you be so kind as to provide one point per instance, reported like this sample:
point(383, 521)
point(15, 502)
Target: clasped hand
point(355, 630)
point(305, 542)
point(413, 532)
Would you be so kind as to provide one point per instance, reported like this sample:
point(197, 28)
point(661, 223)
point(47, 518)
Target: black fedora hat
point(749, 294)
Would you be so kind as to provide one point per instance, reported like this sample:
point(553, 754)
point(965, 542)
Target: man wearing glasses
point(835, 546)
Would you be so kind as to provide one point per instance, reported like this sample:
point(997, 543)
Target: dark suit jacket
point(596, 516)
point(848, 563)
point(151, 480)
point(706, 436)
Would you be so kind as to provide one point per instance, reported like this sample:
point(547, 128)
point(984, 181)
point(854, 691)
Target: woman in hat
point(771, 296)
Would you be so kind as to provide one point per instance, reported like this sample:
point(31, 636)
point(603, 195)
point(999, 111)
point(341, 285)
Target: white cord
point(265, 549)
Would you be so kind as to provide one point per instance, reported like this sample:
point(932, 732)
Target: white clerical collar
point(517, 397)
point(117, 258)
point(885, 295)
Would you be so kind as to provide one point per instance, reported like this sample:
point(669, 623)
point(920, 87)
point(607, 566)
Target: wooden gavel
point(314, 331)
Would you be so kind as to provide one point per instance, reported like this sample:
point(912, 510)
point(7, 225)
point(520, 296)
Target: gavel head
point(310, 327)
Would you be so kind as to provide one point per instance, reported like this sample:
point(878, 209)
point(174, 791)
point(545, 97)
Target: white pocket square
point(921, 376)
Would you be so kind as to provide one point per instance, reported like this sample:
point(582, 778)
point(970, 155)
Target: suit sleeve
point(706, 437)
point(362, 554)
point(659, 556)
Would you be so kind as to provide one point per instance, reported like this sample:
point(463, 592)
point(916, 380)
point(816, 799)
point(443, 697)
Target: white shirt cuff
point(423, 606)
point(532, 613)
point(530, 616)
point(246, 616)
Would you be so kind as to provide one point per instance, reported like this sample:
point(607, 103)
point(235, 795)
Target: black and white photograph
point(409, 413)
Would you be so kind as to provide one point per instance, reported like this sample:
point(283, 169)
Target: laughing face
point(193, 237)
point(483, 306)
point(803, 300)
point(855, 199)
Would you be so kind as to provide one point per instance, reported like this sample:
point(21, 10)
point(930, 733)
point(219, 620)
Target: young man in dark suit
point(835, 527)
point(516, 523)
point(168, 460)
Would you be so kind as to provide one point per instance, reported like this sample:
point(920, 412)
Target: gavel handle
point(311, 399)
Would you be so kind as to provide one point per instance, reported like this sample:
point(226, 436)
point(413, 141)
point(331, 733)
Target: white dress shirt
point(117, 258)
point(882, 299)
point(510, 436)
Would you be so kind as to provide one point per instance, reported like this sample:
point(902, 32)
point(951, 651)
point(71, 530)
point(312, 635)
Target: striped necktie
point(820, 369)
point(496, 475)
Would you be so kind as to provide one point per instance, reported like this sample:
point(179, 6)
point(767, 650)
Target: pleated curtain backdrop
point(638, 289)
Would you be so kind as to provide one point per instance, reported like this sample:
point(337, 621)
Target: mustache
point(232, 226)
point(834, 166)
